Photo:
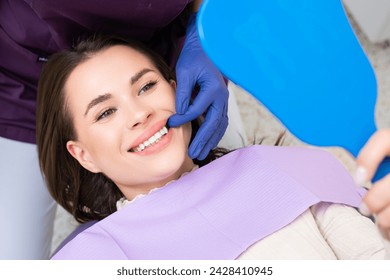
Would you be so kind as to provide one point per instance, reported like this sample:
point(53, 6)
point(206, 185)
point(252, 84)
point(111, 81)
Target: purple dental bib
point(219, 210)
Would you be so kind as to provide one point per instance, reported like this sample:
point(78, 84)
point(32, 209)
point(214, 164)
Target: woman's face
point(120, 104)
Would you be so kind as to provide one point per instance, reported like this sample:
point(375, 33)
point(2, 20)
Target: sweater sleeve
point(349, 234)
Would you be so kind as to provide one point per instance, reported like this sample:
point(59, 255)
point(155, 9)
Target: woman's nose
point(139, 116)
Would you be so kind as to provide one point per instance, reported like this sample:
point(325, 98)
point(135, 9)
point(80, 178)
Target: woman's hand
point(377, 199)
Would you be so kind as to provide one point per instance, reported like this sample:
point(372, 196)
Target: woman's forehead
point(115, 59)
point(106, 69)
point(123, 54)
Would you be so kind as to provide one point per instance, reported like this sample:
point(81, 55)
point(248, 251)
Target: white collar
point(123, 201)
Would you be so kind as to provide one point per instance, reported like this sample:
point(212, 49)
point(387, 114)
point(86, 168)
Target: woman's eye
point(105, 114)
point(147, 87)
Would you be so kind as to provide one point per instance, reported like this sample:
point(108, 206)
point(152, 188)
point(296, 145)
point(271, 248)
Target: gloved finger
point(177, 120)
point(197, 108)
point(216, 136)
point(205, 151)
point(205, 97)
point(214, 140)
point(215, 120)
point(185, 86)
point(205, 131)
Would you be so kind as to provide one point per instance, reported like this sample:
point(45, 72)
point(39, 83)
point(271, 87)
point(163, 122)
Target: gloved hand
point(195, 68)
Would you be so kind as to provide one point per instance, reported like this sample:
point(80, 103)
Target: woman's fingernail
point(363, 209)
point(360, 175)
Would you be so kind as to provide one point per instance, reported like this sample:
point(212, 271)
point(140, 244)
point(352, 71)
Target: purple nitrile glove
point(195, 68)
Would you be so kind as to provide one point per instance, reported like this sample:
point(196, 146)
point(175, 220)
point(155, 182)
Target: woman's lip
point(148, 133)
point(158, 146)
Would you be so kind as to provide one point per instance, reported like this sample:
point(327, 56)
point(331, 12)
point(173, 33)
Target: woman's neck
point(130, 192)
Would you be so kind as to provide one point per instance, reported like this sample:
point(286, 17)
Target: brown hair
point(86, 195)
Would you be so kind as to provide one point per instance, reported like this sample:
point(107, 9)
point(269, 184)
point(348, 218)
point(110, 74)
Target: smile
point(151, 141)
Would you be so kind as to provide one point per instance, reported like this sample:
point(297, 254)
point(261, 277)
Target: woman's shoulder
point(287, 152)
point(285, 157)
point(309, 165)
point(93, 243)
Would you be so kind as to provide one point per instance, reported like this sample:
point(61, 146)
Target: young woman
point(30, 31)
point(104, 145)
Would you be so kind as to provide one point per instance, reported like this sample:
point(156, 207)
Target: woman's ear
point(173, 84)
point(82, 156)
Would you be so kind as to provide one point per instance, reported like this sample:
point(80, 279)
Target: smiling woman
point(123, 93)
point(113, 113)
point(104, 145)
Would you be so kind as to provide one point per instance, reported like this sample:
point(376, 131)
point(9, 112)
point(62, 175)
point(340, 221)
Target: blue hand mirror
point(302, 60)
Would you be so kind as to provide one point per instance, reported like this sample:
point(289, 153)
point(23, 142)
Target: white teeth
point(155, 138)
point(152, 139)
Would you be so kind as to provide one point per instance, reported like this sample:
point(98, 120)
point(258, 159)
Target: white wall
point(373, 17)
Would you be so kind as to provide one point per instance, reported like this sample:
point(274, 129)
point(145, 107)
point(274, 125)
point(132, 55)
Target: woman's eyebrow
point(138, 75)
point(104, 97)
point(97, 100)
